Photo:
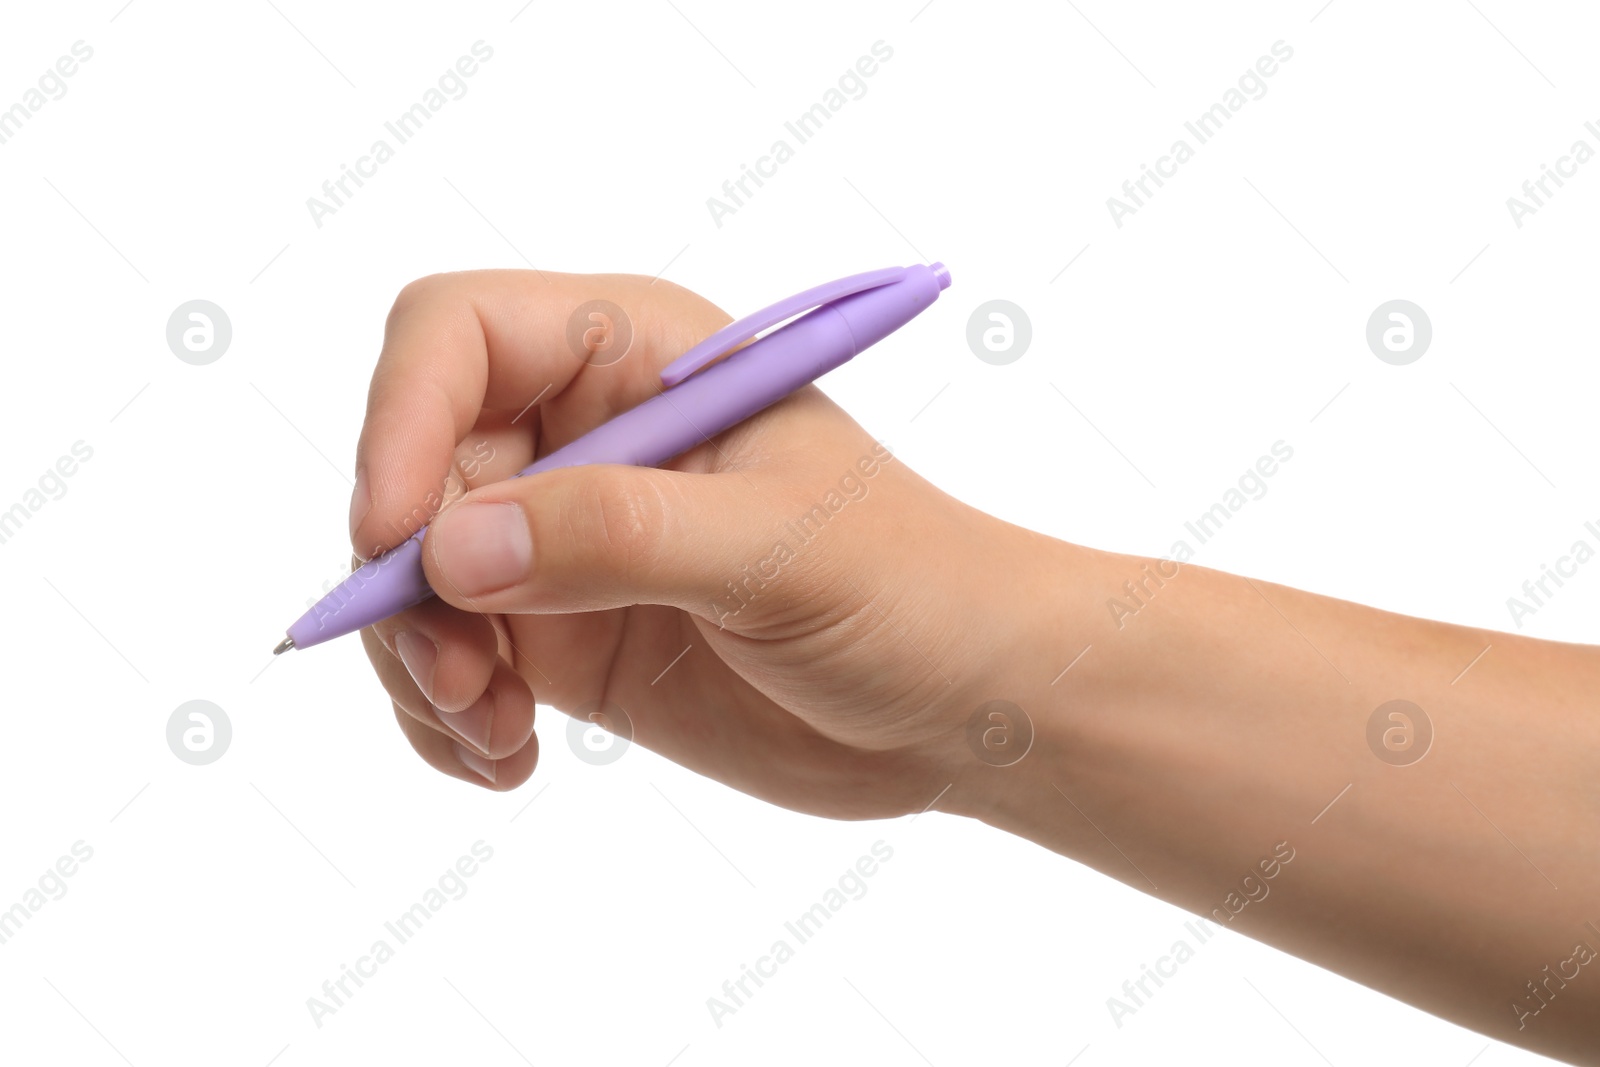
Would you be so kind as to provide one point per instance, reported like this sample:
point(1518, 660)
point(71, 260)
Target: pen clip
point(737, 333)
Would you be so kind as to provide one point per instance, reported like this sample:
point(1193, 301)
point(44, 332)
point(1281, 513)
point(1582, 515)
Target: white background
point(1225, 315)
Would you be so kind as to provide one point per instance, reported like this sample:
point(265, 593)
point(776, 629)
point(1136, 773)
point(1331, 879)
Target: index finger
point(459, 345)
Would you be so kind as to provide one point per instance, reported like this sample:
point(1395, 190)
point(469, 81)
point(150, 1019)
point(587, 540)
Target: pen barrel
point(383, 586)
point(753, 378)
point(667, 425)
point(876, 313)
point(716, 398)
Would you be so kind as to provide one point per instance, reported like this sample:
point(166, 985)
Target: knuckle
point(628, 513)
point(414, 294)
point(429, 292)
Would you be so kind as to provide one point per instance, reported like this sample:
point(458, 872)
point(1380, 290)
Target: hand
point(786, 608)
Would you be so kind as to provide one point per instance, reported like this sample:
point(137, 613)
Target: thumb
point(595, 537)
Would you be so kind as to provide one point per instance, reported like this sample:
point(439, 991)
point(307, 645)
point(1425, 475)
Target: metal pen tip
point(283, 646)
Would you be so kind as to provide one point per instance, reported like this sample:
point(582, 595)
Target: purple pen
point(840, 320)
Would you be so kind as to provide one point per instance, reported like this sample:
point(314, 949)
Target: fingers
point(496, 724)
point(459, 761)
point(597, 537)
point(458, 345)
point(449, 654)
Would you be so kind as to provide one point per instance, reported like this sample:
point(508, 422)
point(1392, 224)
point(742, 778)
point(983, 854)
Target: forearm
point(1217, 725)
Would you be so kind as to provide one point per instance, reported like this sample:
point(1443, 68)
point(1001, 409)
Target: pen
point(836, 322)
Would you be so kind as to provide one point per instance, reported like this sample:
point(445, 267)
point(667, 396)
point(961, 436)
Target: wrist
point(1055, 662)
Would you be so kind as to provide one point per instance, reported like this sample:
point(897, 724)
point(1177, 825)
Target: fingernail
point(483, 768)
point(482, 548)
point(360, 501)
point(420, 655)
point(473, 724)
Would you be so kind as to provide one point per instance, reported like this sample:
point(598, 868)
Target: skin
point(1186, 752)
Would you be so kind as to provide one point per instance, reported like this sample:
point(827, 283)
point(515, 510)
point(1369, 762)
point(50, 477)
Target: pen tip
point(283, 646)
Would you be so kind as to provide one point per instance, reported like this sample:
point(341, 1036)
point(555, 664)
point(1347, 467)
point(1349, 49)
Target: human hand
point(785, 608)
